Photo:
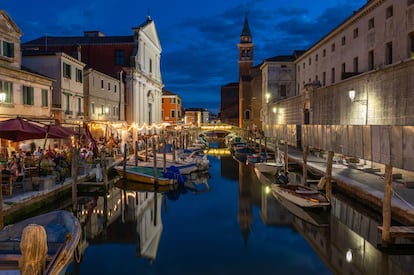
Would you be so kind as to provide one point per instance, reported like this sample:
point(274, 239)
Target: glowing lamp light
point(348, 256)
point(352, 94)
point(2, 97)
point(274, 110)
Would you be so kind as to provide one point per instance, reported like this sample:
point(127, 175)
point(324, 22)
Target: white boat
point(301, 195)
point(186, 162)
point(63, 232)
point(271, 168)
point(310, 215)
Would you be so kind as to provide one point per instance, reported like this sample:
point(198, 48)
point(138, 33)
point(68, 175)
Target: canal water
point(225, 222)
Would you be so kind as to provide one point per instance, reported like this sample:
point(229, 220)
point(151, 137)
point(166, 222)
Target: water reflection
point(344, 239)
point(131, 212)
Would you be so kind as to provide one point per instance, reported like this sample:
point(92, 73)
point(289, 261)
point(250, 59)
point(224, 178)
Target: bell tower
point(245, 50)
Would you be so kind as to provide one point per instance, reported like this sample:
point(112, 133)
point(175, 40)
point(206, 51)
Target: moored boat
point(63, 232)
point(301, 195)
point(271, 168)
point(147, 174)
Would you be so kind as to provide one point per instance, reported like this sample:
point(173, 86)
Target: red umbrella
point(19, 129)
point(58, 131)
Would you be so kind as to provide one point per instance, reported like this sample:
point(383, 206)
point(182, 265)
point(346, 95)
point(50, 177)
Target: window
point(115, 88)
point(150, 65)
point(389, 12)
point(283, 66)
point(316, 57)
point(28, 95)
point(80, 113)
point(172, 100)
point(324, 52)
point(370, 60)
point(67, 104)
point(310, 61)
point(109, 86)
point(67, 70)
point(343, 67)
point(343, 40)
point(388, 53)
point(102, 84)
point(411, 46)
point(355, 64)
point(371, 23)
point(93, 107)
point(333, 47)
point(333, 75)
point(119, 57)
point(283, 90)
point(45, 97)
point(356, 33)
point(79, 75)
point(247, 115)
point(324, 78)
point(8, 49)
point(172, 113)
point(7, 88)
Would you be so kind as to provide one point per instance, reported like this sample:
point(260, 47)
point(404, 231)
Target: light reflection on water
point(225, 223)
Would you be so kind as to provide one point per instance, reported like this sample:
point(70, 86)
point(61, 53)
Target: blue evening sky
point(198, 38)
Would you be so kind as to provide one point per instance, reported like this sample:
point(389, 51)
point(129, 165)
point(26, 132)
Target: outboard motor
point(283, 179)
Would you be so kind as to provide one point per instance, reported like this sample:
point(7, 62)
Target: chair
point(19, 181)
point(6, 184)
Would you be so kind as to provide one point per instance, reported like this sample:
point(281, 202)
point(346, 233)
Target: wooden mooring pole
point(124, 162)
point(305, 167)
point(328, 175)
point(74, 168)
point(286, 157)
point(386, 207)
point(155, 163)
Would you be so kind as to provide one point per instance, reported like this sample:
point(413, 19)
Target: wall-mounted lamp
point(274, 110)
point(267, 97)
point(352, 94)
point(106, 110)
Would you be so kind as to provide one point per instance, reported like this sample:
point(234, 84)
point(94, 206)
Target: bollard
point(33, 246)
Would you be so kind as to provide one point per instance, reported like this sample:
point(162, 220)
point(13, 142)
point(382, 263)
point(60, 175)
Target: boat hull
point(271, 168)
point(300, 195)
point(144, 174)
